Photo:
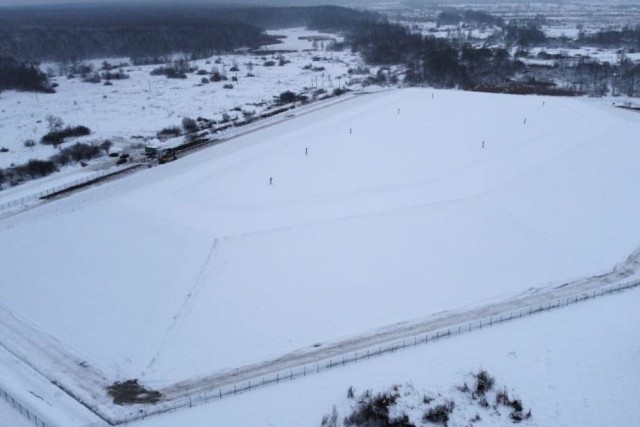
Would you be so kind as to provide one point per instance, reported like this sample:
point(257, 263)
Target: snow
point(201, 266)
point(575, 366)
point(9, 417)
point(40, 399)
point(144, 104)
point(297, 39)
point(557, 31)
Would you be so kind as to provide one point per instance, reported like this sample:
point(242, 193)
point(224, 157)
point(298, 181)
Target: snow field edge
point(24, 410)
point(324, 364)
point(31, 200)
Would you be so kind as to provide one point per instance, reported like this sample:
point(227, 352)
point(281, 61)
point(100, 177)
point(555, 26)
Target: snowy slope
point(11, 418)
point(572, 367)
point(201, 265)
point(27, 398)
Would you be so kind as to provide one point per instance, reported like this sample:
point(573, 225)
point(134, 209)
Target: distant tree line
point(453, 16)
point(33, 169)
point(429, 60)
point(524, 35)
point(22, 75)
point(74, 33)
point(626, 37)
point(455, 63)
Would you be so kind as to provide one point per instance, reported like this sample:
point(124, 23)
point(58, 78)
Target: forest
point(457, 63)
point(69, 35)
point(21, 75)
point(66, 33)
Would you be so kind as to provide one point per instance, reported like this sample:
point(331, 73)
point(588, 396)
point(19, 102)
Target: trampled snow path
point(410, 329)
point(30, 344)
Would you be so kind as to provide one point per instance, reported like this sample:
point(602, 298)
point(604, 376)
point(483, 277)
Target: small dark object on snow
point(130, 392)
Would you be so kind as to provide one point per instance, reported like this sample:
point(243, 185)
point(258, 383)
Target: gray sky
point(52, 2)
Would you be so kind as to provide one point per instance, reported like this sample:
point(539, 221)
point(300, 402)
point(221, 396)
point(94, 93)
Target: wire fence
point(305, 370)
point(25, 200)
point(262, 122)
point(302, 370)
point(332, 363)
point(231, 132)
point(24, 411)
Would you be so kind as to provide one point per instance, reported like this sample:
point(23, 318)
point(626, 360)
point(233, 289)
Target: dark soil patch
point(130, 392)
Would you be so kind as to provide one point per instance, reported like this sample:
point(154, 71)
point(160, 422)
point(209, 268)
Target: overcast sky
point(52, 2)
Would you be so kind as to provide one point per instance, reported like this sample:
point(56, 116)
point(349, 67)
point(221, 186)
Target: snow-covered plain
point(572, 367)
point(588, 379)
point(144, 104)
point(396, 213)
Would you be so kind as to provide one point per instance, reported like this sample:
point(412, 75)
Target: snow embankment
point(406, 204)
point(571, 367)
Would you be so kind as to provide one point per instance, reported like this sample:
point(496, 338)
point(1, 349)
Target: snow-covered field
point(396, 213)
point(144, 104)
point(572, 367)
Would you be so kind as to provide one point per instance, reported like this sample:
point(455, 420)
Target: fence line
point(234, 131)
point(13, 402)
point(332, 363)
point(138, 412)
point(231, 132)
point(82, 181)
point(225, 134)
point(305, 369)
